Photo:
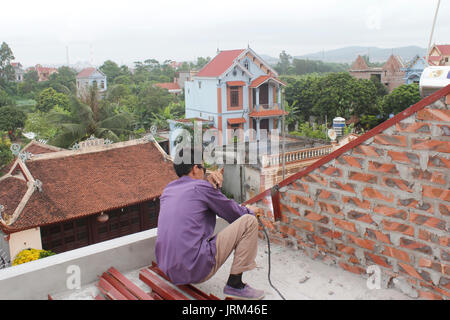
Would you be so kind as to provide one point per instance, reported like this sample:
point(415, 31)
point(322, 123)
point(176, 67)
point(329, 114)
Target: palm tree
point(87, 118)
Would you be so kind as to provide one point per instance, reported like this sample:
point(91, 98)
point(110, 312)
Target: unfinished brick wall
point(384, 202)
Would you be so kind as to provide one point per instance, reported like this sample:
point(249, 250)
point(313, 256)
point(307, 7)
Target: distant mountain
point(349, 54)
point(269, 59)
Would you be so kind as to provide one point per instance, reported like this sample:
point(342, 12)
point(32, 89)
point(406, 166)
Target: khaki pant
point(242, 237)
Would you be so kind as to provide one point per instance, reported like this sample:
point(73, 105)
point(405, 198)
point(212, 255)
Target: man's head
point(185, 165)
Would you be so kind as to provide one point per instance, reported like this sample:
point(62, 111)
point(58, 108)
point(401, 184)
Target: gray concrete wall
point(36, 279)
point(232, 181)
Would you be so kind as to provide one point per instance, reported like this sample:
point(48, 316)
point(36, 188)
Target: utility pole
point(283, 132)
point(432, 30)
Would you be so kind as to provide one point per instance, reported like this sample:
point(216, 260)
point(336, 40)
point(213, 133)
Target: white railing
point(296, 156)
point(269, 106)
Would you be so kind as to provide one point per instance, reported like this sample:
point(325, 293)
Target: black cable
point(268, 254)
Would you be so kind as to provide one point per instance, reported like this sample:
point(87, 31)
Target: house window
point(246, 65)
point(102, 84)
point(234, 96)
point(199, 84)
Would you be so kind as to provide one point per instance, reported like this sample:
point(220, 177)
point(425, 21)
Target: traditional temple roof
point(60, 186)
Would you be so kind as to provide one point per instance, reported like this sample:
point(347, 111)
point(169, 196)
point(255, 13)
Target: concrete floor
point(294, 274)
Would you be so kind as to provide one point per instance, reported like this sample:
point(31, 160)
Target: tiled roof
point(444, 49)
point(262, 79)
point(85, 73)
point(236, 120)
point(235, 83)
point(359, 64)
point(267, 113)
point(80, 183)
point(217, 66)
point(168, 85)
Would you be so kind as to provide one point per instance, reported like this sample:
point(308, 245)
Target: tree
point(49, 98)
point(5, 100)
point(64, 81)
point(284, 65)
point(172, 111)
point(11, 119)
point(111, 70)
point(400, 98)
point(6, 69)
point(6, 155)
point(86, 119)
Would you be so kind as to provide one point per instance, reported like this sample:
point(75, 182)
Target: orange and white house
point(237, 89)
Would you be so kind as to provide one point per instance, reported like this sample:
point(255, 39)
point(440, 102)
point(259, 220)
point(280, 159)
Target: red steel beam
point(119, 287)
point(130, 286)
point(109, 291)
point(161, 287)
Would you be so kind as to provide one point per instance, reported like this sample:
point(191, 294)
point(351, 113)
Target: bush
point(30, 254)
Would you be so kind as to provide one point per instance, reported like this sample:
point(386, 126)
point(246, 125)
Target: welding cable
point(268, 254)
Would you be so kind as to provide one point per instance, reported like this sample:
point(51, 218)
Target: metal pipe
point(432, 31)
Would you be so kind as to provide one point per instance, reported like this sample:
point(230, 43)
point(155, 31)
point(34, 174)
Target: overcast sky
point(125, 31)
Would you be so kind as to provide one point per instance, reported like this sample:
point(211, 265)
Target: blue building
point(237, 89)
point(414, 68)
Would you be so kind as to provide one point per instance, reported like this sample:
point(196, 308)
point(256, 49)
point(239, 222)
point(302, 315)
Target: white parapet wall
point(35, 280)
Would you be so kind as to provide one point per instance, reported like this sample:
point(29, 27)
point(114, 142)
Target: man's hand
point(216, 178)
point(258, 211)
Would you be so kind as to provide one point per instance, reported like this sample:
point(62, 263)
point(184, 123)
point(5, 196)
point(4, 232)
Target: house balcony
point(264, 107)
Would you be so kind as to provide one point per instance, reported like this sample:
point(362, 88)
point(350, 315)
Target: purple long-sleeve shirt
point(185, 246)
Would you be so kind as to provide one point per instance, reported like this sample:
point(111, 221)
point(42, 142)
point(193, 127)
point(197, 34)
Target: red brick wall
point(384, 202)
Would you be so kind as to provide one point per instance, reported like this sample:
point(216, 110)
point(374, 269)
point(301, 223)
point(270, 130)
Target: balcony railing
point(296, 156)
point(269, 106)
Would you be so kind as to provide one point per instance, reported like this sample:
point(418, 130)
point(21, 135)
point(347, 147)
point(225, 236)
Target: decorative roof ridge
point(43, 145)
point(87, 150)
point(354, 143)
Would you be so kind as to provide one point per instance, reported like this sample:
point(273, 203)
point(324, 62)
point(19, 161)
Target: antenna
point(432, 30)
point(91, 54)
point(67, 55)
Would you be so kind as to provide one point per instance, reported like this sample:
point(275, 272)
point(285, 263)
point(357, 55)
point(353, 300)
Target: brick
point(330, 208)
point(416, 127)
point(433, 265)
point(398, 227)
point(325, 194)
point(302, 200)
point(416, 246)
point(369, 151)
point(363, 177)
point(356, 202)
point(314, 178)
point(360, 216)
point(287, 208)
point(383, 167)
point(438, 162)
point(391, 140)
point(329, 233)
point(375, 194)
point(354, 269)
point(407, 157)
point(431, 145)
point(445, 255)
point(415, 204)
point(351, 161)
point(445, 283)
point(434, 115)
point(342, 186)
point(397, 184)
point(287, 230)
point(345, 249)
point(406, 268)
point(427, 221)
point(331, 171)
point(375, 259)
point(436, 193)
point(391, 212)
point(396, 253)
point(346, 225)
point(316, 217)
point(377, 235)
point(428, 236)
point(299, 186)
point(363, 243)
point(444, 209)
point(429, 295)
point(316, 239)
point(301, 224)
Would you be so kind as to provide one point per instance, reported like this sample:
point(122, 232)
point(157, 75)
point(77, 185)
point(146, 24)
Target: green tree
point(6, 156)
point(172, 111)
point(400, 98)
point(11, 119)
point(88, 118)
point(49, 98)
point(284, 65)
point(6, 69)
point(64, 81)
point(38, 123)
point(5, 99)
point(111, 70)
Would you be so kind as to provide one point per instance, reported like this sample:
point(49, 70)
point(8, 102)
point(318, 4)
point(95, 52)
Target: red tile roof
point(85, 73)
point(235, 83)
point(236, 120)
point(217, 66)
point(118, 175)
point(267, 113)
point(444, 49)
point(168, 85)
point(262, 79)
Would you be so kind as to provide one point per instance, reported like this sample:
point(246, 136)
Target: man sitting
point(186, 248)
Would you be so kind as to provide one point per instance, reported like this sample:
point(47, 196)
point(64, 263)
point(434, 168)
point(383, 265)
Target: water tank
point(339, 126)
point(434, 78)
